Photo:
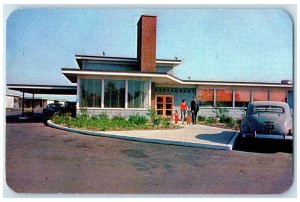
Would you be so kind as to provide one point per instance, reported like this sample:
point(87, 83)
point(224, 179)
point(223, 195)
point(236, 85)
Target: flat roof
point(123, 60)
point(44, 89)
point(162, 78)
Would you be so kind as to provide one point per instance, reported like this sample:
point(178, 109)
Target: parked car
point(267, 119)
point(70, 107)
point(53, 108)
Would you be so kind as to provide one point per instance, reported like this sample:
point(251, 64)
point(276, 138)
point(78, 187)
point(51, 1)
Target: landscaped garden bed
point(103, 122)
point(221, 119)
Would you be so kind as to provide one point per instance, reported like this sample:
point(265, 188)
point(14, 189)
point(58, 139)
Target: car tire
point(45, 120)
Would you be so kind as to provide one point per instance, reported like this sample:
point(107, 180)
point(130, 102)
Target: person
point(183, 110)
point(188, 116)
point(176, 116)
point(194, 109)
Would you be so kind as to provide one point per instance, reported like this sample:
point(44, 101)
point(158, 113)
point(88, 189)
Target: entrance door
point(164, 105)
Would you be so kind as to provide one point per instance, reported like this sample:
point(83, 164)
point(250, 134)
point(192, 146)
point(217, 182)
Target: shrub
point(166, 122)
point(152, 113)
point(157, 120)
point(210, 120)
point(118, 118)
point(221, 113)
point(102, 122)
point(137, 119)
point(201, 118)
point(230, 122)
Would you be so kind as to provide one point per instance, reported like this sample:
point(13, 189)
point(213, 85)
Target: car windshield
point(268, 109)
point(56, 105)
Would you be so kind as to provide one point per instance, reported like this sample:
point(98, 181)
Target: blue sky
point(213, 44)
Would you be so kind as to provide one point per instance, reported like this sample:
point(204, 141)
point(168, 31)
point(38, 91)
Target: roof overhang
point(162, 78)
point(44, 89)
point(122, 60)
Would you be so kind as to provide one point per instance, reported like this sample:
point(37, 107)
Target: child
point(176, 116)
point(189, 116)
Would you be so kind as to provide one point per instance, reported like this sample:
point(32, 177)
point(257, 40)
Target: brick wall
point(146, 43)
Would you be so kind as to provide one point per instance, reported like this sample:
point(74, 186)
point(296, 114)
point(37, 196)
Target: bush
point(211, 120)
point(230, 122)
point(102, 122)
point(166, 122)
point(201, 118)
point(221, 113)
point(152, 113)
point(137, 119)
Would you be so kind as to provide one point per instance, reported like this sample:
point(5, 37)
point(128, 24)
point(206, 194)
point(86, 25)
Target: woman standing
point(183, 110)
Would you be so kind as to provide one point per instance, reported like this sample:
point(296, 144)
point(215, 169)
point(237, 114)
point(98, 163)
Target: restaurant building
point(124, 86)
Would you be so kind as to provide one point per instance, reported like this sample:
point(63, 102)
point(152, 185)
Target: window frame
point(126, 101)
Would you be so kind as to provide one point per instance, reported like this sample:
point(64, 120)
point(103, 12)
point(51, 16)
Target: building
point(12, 101)
point(123, 86)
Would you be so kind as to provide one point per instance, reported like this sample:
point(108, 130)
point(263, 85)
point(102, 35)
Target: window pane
point(114, 93)
point(260, 95)
point(168, 100)
point(242, 98)
point(90, 92)
point(159, 99)
point(138, 96)
point(168, 112)
point(224, 98)
point(279, 95)
point(206, 97)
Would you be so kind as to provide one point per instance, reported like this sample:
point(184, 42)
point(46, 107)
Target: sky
point(253, 45)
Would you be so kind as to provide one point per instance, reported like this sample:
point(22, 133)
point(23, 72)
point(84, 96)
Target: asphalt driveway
point(40, 159)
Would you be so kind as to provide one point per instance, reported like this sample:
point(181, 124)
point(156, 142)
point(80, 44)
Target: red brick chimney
point(146, 43)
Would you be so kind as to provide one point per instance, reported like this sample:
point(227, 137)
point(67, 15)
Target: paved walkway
point(189, 135)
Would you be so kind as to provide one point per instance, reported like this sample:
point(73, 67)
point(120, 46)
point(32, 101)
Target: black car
point(70, 107)
point(53, 108)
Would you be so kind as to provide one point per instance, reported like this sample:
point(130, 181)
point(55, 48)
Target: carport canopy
point(42, 89)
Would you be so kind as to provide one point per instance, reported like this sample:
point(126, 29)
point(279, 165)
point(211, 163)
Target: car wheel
point(45, 120)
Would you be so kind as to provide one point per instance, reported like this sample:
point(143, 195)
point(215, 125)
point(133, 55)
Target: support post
point(23, 104)
point(32, 106)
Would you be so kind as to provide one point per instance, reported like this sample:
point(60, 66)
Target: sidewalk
point(189, 135)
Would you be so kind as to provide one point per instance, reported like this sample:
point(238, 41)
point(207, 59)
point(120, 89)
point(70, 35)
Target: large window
point(224, 98)
point(206, 97)
point(260, 95)
point(114, 93)
point(90, 92)
point(279, 95)
point(138, 94)
point(242, 98)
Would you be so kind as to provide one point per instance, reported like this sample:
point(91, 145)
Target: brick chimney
point(146, 43)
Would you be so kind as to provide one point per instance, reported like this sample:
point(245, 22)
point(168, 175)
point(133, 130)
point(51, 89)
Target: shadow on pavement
point(222, 138)
point(263, 145)
point(36, 118)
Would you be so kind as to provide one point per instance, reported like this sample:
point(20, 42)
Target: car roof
point(273, 103)
point(252, 105)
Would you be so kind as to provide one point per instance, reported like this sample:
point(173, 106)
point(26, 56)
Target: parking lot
point(40, 159)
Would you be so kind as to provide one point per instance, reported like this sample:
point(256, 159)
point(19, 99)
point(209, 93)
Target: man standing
point(194, 109)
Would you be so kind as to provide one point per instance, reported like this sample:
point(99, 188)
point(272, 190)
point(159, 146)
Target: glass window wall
point(260, 95)
point(114, 93)
point(279, 95)
point(90, 92)
point(138, 96)
point(224, 98)
point(242, 98)
point(206, 97)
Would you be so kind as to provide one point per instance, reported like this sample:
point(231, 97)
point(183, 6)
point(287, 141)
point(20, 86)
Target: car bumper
point(269, 136)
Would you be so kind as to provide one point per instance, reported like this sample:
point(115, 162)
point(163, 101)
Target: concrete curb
point(232, 141)
point(148, 140)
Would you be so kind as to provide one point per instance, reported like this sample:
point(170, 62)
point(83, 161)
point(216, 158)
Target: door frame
point(164, 105)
